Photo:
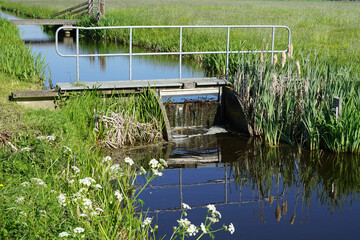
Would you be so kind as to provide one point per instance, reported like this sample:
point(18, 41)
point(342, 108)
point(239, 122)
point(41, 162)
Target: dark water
point(267, 193)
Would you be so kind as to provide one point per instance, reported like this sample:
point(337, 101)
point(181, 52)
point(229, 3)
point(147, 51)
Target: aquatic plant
point(293, 102)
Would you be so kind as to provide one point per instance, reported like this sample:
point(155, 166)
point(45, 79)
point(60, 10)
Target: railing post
point(130, 57)
point(77, 56)
point(180, 50)
point(272, 45)
point(227, 52)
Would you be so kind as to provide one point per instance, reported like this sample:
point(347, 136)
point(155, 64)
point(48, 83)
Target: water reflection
point(266, 192)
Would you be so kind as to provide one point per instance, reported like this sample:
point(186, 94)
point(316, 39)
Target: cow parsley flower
point(154, 164)
point(62, 199)
point(185, 206)
point(163, 162)
point(99, 209)
point(213, 219)
point(142, 171)
point(87, 181)
point(106, 159)
point(82, 215)
point(63, 234)
point(129, 161)
point(231, 228)
point(203, 228)
point(184, 222)
point(79, 230)
point(192, 230)
point(67, 149)
point(98, 186)
point(39, 181)
point(24, 184)
point(118, 195)
point(146, 222)
point(211, 207)
point(87, 203)
point(75, 169)
point(157, 172)
point(20, 200)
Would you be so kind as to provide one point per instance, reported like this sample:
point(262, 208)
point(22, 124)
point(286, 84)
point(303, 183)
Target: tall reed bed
point(292, 101)
point(15, 58)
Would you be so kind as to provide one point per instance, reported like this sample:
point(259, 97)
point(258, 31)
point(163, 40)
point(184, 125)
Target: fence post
point(90, 6)
point(102, 8)
point(227, 53)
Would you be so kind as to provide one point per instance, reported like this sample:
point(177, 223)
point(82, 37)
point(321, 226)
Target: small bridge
point(94, 8)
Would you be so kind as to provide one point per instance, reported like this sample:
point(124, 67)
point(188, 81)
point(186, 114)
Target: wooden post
point(102, 8)
point(337, 102)
point(90, 7)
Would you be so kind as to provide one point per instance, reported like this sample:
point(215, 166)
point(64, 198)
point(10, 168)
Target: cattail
point(275, 60)
point(292, 219)
point(274, 85)
point(278, 213)
point(290, 50)
point(261, 57)
point(283, 59)
point(284, 207)
point(271, 199)
point(298, 67)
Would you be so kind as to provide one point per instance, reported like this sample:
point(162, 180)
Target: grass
point(15, 58)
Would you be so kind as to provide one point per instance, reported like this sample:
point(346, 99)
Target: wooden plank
point(35, 95)
point(65, 22)
point(134, 84)
point(69, 9)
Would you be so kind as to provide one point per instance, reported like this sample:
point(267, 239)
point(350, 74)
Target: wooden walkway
point(63, 22)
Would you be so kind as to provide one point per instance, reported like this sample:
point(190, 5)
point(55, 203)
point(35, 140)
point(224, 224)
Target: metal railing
point(130, 54)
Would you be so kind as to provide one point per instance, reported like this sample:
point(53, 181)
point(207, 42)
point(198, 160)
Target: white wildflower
point(118, 195)
point(75, 169)
point(146, 222)
point(93, 213)
point(43, 212)
point(71, 181)
point(213, 220)
point(25, 149)
point(163, 162)
point(106, 159)
point(231, 228)
point(114, 168)
point(98, 186)
point(20, 200)
point(78, 230)
point(157, 173)
point(129, 161)
point(185, 206)
point(82, 215)
point(63, 234)
point(50, 138)
point(62, 199)
point(53, 191)
point(154, 163)
point(24, 184)
point(39, 181)
point(23, 213)
point(216, 213)
point(87, 203)
point(99, 209)
point(184, 222)
point(203, 228)
point(192, 230)
point(211, 207)
point(142, 171)
point(87, 181)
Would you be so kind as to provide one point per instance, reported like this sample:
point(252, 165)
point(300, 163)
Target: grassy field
point(328, 27)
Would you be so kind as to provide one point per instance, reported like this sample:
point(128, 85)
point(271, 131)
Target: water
point(99, 69)
point(267, 193)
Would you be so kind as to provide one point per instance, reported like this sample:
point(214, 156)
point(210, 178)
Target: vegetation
point(293, 101)
point(15, 58)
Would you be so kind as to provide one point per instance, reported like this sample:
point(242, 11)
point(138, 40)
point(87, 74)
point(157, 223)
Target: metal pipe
point(272, 46)
point(180, 52)
point(227, 53)
point(77, 56)
point(130, 56)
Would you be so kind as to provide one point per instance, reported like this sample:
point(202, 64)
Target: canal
point(267, 193)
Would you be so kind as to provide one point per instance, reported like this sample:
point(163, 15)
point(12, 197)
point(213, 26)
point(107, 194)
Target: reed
point(293, 102)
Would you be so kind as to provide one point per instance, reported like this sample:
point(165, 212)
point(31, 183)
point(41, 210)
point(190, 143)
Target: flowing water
point(267, 193)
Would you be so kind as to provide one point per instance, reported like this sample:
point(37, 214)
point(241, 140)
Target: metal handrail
point(180, 52)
